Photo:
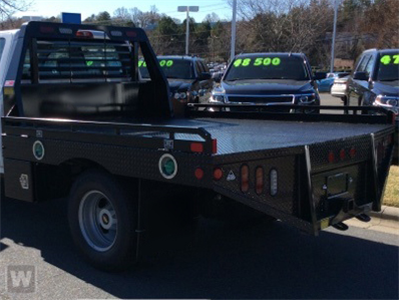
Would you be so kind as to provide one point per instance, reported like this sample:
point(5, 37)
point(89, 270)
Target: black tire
point(112, 253)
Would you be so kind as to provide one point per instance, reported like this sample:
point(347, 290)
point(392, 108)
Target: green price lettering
point(89, 63)
point(142, 64)
point(267, 61)
point(276, 61)
point(169, 63)
point(258, 62)
point(238, 62)
point(386, 59)
point(162, 63)
point(390, 59)
point(246, 62)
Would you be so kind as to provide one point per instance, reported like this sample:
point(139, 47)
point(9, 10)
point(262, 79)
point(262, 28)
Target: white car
point(339, 88)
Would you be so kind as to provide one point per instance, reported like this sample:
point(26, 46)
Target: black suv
point(268, 78)
point(189, 79)
point(375, 82)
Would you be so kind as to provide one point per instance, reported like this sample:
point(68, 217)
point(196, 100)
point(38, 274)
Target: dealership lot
point(214, 261)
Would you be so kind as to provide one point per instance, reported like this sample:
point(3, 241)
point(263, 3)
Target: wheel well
point(56, 181)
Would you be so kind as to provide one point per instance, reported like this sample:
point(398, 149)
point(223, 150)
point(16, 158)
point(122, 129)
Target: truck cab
point(7, 45)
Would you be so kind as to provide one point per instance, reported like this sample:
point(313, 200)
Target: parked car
point(189, 79)
point(268, 78)
point(326, 84)
point(375, 81)
point(339, 88)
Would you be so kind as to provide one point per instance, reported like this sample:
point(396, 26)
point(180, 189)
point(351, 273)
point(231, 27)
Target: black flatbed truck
point(81, 123)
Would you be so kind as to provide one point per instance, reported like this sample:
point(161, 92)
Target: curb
point(387, 213)
point(386, 221)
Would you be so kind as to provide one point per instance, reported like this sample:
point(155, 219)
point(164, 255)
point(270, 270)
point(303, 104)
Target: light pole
point(334, 35)
point(233, 31)
point(187, 9)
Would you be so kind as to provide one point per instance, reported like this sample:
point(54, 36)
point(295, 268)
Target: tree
point(104, 18)
point(122, 17)
point(166, 38)
point(382, 22)
point(9, 7)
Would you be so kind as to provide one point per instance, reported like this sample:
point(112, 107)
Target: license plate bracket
point(337, 185)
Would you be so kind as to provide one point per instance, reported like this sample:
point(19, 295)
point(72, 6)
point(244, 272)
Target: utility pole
point(334, 36)
point(233, 31)
point(187, 9)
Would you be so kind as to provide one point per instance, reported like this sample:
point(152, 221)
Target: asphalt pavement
point(215, 261)
point(210, 261)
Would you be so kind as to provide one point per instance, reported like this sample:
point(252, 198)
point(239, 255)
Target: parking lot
point(212, 261)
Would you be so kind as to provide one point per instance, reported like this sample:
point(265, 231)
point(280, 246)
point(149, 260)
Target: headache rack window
point(99, 60)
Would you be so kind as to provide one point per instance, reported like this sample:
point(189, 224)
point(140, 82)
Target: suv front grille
point(287, 99)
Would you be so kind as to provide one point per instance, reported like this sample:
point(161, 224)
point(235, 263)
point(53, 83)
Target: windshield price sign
point(261, 61)
point(162, 63)
point(390, 59)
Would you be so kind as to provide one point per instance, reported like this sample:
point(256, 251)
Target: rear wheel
point(102, 221)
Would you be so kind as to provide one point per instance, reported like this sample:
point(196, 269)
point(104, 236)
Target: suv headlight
point(182, 96)
point(306, 99)
point(388, 102)
point(218, 95)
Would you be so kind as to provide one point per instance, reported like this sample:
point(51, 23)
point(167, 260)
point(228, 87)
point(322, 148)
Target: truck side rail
point(355, 114)
point(191, 139)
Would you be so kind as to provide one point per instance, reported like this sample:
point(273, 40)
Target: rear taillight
point(199, 173)
point(131, 33)
point(197, 147)
point(259, 180)
point(214, 146)
point(342, 154)
point(47, 29)
point(331, 157)
point(84, 34)
point(244, 179)
point(352, 152)
point(217, 174)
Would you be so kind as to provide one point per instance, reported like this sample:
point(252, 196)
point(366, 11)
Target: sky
point(48, 8)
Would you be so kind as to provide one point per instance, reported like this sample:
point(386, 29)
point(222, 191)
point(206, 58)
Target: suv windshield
point(173, 68)
point(268, 67)
point(388, 67)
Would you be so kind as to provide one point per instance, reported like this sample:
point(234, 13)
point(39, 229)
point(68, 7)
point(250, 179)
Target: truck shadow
point(217, 261)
